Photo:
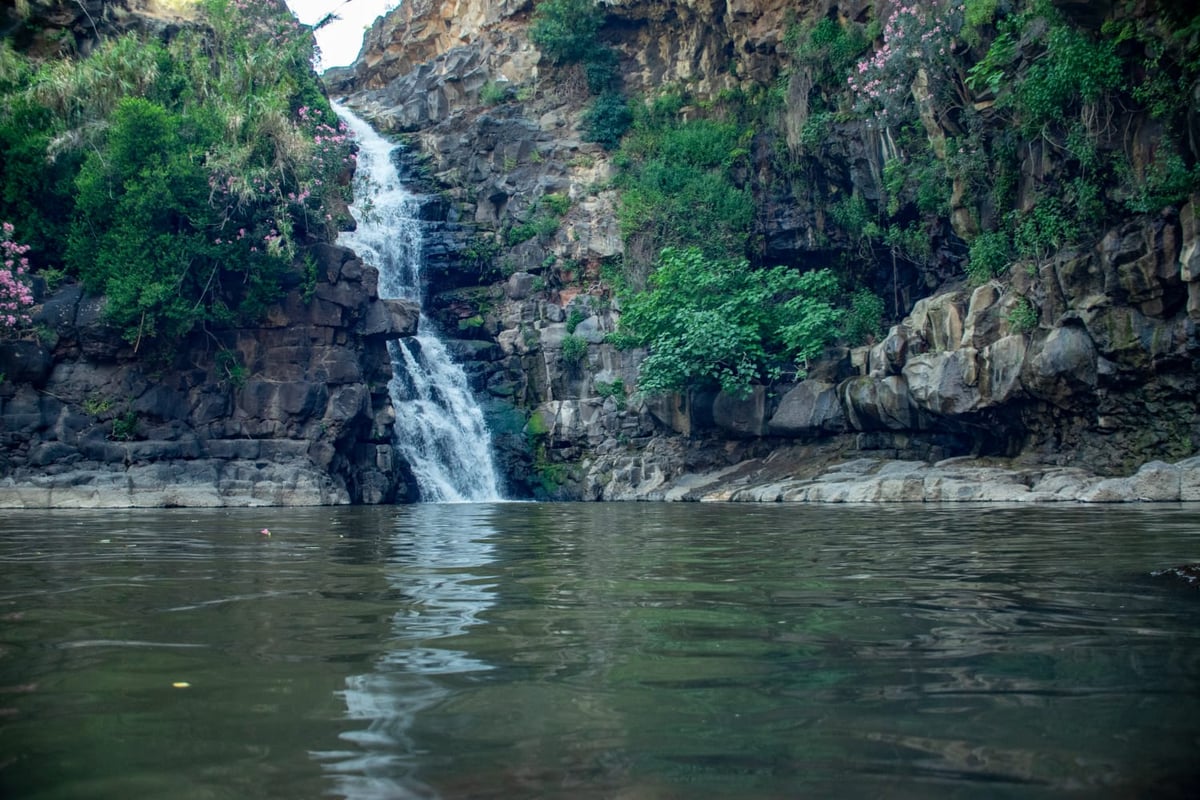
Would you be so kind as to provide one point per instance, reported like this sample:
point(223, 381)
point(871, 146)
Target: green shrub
point(607, 119)
point(574, 318)
point(232, 369)
point(1043, 229)
point(853, 215)
point(175, 178)
point(1073, 70)
point(601, 71)
point(124, 427)
point(1167, 180)
point(1023, 317)
point(990, 255)
point(720, 323)
point(615, 390)
point(493, 93)
point(574, 350)
point(677, 182)
point(864, 320)
point(566, 30)
point(828, 47)
point(556, 204)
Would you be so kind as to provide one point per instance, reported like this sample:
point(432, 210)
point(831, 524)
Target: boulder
point(871, 404)
point(808, 409)
point(944, 383)
point(1063, 365)
point(938, 320)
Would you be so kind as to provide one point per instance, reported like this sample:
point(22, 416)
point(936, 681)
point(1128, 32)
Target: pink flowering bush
point(15, 295)
point(915, 35)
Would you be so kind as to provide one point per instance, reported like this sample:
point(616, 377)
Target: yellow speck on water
point(181, 685)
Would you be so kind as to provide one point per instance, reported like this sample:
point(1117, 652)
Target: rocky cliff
point(282, 402)
point(1076, 347)
point(293, 412)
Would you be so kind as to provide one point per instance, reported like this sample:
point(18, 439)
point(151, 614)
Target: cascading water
point(440, 431)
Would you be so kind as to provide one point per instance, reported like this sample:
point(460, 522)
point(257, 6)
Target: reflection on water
point(599, 651)
point(436, 554)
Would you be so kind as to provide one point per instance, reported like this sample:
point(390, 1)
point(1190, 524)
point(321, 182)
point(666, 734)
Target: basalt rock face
point(1085, 359)
point(294, 412)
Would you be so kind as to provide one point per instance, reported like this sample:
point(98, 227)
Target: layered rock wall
point(295, 412)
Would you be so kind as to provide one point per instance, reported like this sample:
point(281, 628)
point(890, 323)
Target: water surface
point(599, 651)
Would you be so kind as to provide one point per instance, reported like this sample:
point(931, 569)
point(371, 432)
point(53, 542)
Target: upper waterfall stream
point(440, 430)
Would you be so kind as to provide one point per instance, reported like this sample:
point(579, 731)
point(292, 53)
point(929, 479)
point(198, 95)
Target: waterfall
point(439, 431)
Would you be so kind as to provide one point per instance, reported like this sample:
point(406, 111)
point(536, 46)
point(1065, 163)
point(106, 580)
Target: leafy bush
point(556, 204)
point(990, 255)
point(1167, 180)
point(1074, 70)
point(493, 93)
point(601, 71)
point(607, 119)
point(543, 222)
point(574, 350)
point(718, 322)
point(829, 47)
point(1043, 229)
point(678, 184)
point(574, 318)
point(124, 426)
point(566, 30)
point(864, 320)
point(615, 390)
point(1023, 316)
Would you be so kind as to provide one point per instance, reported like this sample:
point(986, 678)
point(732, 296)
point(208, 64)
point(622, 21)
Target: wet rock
point(1155, 481)
point(389, 319)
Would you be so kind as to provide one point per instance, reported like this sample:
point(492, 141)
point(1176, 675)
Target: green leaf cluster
point(989, 257)
point(566, 30)
point(176, 175)
point(1074, 70)
point(718, 322)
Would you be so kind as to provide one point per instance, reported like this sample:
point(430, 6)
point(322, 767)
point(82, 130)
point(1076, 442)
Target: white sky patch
point(340, 40)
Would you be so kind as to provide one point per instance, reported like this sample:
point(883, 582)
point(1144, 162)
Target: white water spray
point(440, 431)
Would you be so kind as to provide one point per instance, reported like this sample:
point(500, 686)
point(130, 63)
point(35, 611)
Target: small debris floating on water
point(181, 685)
point(1188, 573)
point(265, 532)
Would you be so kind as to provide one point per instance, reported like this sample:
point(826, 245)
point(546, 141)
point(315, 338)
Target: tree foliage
point(719, 322)
point(566, 30)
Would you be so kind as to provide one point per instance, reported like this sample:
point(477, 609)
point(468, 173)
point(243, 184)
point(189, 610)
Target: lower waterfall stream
point(440, 431)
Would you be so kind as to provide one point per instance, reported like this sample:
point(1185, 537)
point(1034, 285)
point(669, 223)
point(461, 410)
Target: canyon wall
point(1085, 357)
